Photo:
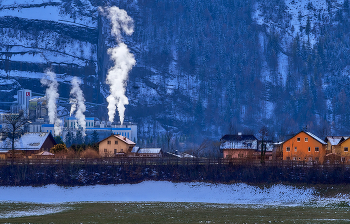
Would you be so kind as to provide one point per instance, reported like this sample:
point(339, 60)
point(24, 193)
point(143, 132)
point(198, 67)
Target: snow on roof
point(135, 149)
point(28, 141)
point(334, 140)
point(316, 138)
point(45, 153)
point(125, 139)
point(149, 150)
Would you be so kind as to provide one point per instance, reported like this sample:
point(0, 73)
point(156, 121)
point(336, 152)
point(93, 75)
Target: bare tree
point(14, 128)
point(168, 136)
point(264, 133)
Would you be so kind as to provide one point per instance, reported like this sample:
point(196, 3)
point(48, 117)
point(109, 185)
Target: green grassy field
point(172, 213)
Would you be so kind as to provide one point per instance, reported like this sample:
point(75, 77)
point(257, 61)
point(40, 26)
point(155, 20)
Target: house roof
point(344, 139)
point(316, 138)
point(121, 138)
point(239, 142)
point(44, 153)
point(238, 137)
point(135, 149)
point(311, 135)
point(28, 141)
point(334, 140)
point(149, 150)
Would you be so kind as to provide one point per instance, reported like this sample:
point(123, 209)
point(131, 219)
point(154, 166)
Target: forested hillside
point(203, 68)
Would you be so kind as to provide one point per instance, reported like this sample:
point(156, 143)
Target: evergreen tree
point(69, 138)
point(94, 137)
point(58, 140)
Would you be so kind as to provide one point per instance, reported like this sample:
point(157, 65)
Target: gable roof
point(335, 140)
point(28, 141)
point(344, 139)
point(121, 138)
point(315, 137)
point(311, 135)
point(150, 150)
point(238, 137)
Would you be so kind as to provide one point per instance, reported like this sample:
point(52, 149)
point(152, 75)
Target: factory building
point(103, 128)
point(23, 98)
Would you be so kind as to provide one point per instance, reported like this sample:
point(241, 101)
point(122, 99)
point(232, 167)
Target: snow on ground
point(31, 212)
point(48, 12)
point(33, 75)
point(162, 191)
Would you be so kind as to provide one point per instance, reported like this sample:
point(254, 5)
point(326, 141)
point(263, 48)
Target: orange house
point(304, 146)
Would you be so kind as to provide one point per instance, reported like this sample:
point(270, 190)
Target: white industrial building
point(103, 128)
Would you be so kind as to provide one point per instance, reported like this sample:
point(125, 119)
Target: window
point(295, 149)
point(228, 156)
point(294, 158)
point(105, 150)
point(115, 150)
point(317, 149)
point(116, 142)
point(343, 159)
point(108, 142)
point(306, 139)
point(287, 149)
point(121, 150)
point(288, 158)
point(240, 155)
point(298, 139)
point(309, 149)
point(317, 159)
point(346, 149)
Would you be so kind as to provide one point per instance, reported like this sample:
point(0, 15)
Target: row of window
point(346, 149)
point(306, 139)
point(309, 149)
point(115, 150)
point(115, 142)
point(306, 159)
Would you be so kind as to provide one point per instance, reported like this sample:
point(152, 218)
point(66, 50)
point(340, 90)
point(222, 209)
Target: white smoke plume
point(77, 101)
point(52, 95)
point(123, 62)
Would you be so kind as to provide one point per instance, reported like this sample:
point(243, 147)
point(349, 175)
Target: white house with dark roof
point(238, 146)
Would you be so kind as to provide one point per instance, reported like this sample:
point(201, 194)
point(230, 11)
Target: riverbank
point(81, 174)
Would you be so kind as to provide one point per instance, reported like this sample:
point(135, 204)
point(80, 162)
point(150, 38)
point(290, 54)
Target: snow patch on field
point(31, 212)
point(162, 191)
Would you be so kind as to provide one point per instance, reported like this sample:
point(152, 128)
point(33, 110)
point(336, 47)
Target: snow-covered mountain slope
point(203, 68)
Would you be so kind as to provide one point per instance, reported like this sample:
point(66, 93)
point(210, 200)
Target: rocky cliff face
point(204, 68)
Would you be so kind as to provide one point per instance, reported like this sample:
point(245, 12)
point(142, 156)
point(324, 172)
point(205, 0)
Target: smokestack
point(52, 95)
point(78, 103)
point(123, 62)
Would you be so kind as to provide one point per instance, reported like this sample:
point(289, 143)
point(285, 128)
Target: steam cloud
point(52, 95)
point(123, 62)
point(77, 101)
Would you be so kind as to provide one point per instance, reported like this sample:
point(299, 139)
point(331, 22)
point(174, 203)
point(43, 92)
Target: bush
point(59, 148)
point(89, 153)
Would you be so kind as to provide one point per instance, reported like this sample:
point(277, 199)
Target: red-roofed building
point(115, 145)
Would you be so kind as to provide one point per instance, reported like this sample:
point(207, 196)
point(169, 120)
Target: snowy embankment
point(163, 191)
